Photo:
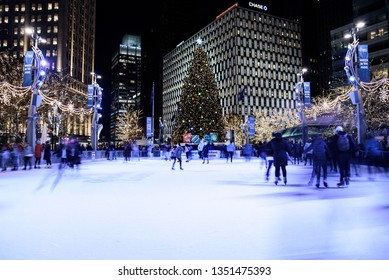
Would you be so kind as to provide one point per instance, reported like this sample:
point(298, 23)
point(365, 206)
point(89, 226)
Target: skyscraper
point(126, 80)
point(375, 34)
point(68, 26)
point(248, 47)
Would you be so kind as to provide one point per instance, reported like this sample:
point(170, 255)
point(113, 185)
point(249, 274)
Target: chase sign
point(258, 6)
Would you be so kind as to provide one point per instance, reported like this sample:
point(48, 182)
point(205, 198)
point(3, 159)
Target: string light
point(7, 91)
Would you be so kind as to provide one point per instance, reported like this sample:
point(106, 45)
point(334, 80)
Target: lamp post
point(39, 75)
point(97, 98)
point(351, 68)
point(299, 96)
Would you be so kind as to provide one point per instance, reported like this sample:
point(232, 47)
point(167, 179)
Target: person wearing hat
point(281, 151)
point(343, 147)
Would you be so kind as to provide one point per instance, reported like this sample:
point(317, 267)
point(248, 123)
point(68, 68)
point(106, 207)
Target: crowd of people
point(25, 157)
point(338, 153)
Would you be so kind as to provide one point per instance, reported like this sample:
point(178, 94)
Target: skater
point(281, 150)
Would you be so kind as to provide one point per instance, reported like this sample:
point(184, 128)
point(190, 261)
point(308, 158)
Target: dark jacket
point(334, 144)
point(319, 149)
point(281, 151)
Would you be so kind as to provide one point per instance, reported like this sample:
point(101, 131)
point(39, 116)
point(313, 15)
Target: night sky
point(114, 20)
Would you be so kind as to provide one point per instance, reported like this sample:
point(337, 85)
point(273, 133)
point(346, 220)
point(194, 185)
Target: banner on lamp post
point(27, 68)
point(307, 93)
point(251, 126)
point(90, 96)
point(363, 55)
point(148, 127)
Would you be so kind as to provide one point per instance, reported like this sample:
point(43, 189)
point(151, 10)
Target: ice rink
point(143, 210)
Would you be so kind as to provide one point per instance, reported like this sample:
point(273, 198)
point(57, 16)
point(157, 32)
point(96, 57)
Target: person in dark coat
point(320, 157)
point(281, 151)
point(47, 154)
point(343, 158)
point(205, 152)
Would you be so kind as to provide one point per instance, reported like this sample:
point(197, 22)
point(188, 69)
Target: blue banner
point(251, 125)
point(307, 94)
point(364, 72)
point(90, 96)
point(148, 127)
point(28, 60)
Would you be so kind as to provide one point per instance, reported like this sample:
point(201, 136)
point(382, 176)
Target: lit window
point(55, 29)
point(49, 6)
point(23, 7)
point(49, 17)
point(6, 8)
point(16, 8)
point(56, 17)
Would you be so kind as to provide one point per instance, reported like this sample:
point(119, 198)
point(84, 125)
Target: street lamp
point(351, 68)
point(97, 98)
point(39, 75)
point(299, 96)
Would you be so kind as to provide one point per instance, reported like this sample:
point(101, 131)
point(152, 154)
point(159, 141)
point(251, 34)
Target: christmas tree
point(199, 109)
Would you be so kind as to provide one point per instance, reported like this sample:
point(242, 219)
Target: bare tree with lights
point(266, 124)
point(234, 123)
point(128, 125)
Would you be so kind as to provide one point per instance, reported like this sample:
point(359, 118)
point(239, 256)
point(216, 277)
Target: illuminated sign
point(258, 6)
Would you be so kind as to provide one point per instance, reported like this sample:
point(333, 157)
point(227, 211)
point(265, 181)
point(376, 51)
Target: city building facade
point(248, 47)
point(375, 15)
point(68, 26)
point(126, 84)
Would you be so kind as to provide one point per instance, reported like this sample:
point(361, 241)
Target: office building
point(68, 26)
point(126, 82)
point(247, 46)
point(375, 15)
